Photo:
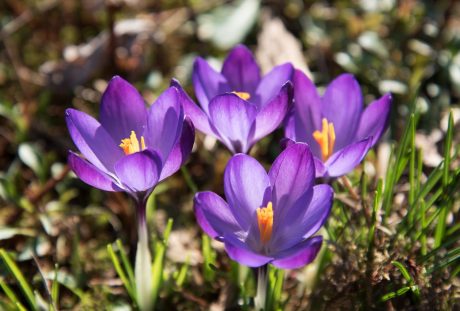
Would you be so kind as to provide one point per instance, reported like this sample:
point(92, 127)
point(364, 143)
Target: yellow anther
point(265, 221)
point(131, 145)
point(325, 139)
point(242, 95)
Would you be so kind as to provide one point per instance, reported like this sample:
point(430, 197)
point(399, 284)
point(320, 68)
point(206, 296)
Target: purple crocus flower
point(337, 128)
point(238, 106)
point(132, 148)
point(269, 218)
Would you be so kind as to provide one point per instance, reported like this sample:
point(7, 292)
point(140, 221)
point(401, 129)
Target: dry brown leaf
point(276, 45)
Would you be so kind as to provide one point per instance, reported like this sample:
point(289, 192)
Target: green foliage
point(392, 240)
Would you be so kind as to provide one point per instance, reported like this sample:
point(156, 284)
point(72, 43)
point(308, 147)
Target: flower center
point(131, 145)
point(242, 95)
point(325, 139)
point(265, 221)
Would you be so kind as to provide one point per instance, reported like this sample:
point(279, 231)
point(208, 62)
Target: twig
point(45, 282)
point(49, 185)
point(347, 184)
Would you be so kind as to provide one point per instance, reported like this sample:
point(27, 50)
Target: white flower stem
point(143, 265)
point(261, 295)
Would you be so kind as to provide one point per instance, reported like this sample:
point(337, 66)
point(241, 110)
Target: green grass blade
point(403, 271)
point(423, 245)
point(158, 262)
point(275, 288)
point(399, 165)
point(451, 257)
point(188, 179)
point(26, 289)
point(397, 293)
point(55, 288)
point(121, 273)
point(434, 253)
point(441, 225)
point(412, 185)
point(375, 210)
point(447, 149)
point(209, 256)
point(10, 294)
point(182, 274)
point(126, 265)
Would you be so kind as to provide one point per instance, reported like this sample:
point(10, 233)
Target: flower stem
point(262, 281)
point(143, 265)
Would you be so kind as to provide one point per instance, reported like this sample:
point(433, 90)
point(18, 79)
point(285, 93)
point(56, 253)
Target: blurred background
point(60, 54)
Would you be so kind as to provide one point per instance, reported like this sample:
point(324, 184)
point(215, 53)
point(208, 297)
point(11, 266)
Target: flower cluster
point(267, 218)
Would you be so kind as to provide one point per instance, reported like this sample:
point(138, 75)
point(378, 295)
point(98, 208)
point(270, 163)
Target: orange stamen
point(242, 95)
point(325, 139)
point(265, 221)
point(131, 145)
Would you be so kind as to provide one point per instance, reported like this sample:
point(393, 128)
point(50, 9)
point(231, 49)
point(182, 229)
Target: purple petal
point(307, 111)
point(122, 110)
point(319, 167)
point(139, 171)
point(318, 210)
point(289, 125)
point(164, 124)
point(92, 140)
point(233, 117)
point(247, 187)
point(271, 83)
point(199, 118)
point(375, 118)
point(310, 216)
point(238, 251)
point(207, 83)
point(91, 174)
point(345, 160)
point(180, 151)
point(271, 116)
point(286, 142)
point(214, 215)
point(342, 105)
point(299, 255)
point(241, 70)
point(292, 177)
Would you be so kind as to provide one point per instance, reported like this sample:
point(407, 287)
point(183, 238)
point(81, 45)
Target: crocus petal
point(342, 105)
point(375, 118)
point(122, 109)
point(319, 167)
point(239, 252)
point(207, 83)
point(139, 171)
point(286, 142)
point(289, 125)
point(241, 70)
point(247, 187)
point(164, 124)
point(271, 83)
point(92, 140)
point(214, 215)
point(271, 115)
point(91, 174)
point(299, 255)
point(233, 118)
point(345, 160)
point(199, 118)
point(292, 176)
point(310, 217)
point(180, 151)
point(307, 112)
